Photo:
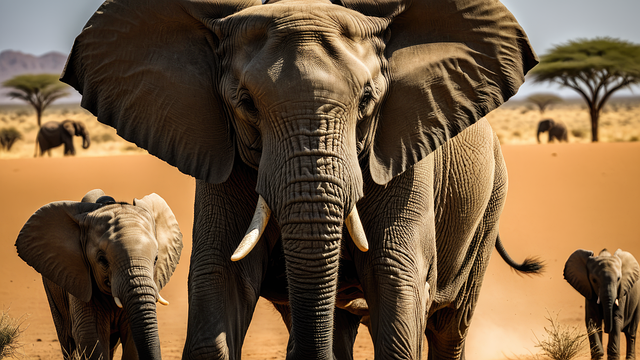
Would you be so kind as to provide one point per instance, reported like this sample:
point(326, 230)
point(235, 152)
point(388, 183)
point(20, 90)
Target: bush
point(579, 133)
point(10, 330)
point(563, 342)
point(8, 136)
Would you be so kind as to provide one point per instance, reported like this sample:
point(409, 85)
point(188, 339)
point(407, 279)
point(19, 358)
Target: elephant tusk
point(251, 237)
point(598, 302)
point(617, 303)
point(162, 300)
point(354, 225)
point(118, 302)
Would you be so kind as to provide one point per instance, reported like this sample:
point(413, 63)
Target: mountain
point(14, 63)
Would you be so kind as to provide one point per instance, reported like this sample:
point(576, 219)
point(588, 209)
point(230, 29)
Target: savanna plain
point(562, 196)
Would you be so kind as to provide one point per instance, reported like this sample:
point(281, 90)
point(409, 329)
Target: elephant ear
point(69, 127)
point(630, 272)
point(450, 63)
point(50, 242)
point(576, 274)
point(147, 68)
point(168, 235)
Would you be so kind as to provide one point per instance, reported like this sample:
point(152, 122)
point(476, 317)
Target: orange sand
point(561, 197)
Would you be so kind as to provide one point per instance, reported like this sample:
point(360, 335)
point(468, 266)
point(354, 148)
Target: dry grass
point(104, 140)
point(10, 330)
point(514, 122)
point(563, 342)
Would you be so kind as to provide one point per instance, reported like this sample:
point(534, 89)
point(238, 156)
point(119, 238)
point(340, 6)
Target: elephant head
point(311, 94)
point(605, 278)
point(77, 128)
point(127, 252)
point(544, 125)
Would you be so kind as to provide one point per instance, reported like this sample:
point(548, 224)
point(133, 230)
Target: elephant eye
point(247, 104)
point(103, 261)
point(365, 100)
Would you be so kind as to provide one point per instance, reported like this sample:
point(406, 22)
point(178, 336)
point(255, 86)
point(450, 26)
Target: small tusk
point(251, 237)
point(598, 300)
point(118, 302)
point(617, 302)
point(162, 301)
point(354, 225)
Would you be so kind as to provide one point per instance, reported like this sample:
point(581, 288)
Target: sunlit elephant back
point(291, 105)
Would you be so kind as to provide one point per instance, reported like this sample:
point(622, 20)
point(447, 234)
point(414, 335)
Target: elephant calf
point(103, 264)
point(609, 284)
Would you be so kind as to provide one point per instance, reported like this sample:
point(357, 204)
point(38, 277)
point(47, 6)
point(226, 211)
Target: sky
point(40, 26)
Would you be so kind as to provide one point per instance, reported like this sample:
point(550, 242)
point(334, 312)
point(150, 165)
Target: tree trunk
point(595, 115)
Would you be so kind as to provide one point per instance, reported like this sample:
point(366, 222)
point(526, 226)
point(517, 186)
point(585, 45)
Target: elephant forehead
point(306, 19)
point(119, 219)
point(601, 265)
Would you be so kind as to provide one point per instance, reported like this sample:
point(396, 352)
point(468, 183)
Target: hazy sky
point(39, 26)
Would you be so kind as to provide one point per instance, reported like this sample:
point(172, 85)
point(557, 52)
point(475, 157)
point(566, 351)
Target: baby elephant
point(103, 264)
point(609, 284)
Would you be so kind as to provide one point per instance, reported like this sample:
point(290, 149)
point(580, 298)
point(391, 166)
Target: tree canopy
point(595, 68)
point(39, 90)
point(543, 100)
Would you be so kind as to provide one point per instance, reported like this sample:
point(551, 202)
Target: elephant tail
point(530, 265)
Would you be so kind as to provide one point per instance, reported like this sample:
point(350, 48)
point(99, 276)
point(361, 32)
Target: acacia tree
point(544, 100)
point(39, 90)
point(595, 68)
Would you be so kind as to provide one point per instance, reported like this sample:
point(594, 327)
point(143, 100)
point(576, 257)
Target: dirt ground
point(561, 197)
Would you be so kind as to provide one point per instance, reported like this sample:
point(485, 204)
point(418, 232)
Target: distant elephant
point(321, 116)
point(103, 264)
point(53, 134)
point(609, 284)
point(557, 130)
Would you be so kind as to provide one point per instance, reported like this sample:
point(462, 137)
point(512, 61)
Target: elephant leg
point(394, 273)
point(631, 344)
point(59, 304)
point(223, 294)
point(90, 329)
point(613, 346)
point(471, 176)
point(593, 318)
point(345, 330)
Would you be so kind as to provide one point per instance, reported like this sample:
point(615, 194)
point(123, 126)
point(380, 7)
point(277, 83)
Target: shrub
point(563, 342)
point(8, 136)
point(10, 330)
point(579, 133)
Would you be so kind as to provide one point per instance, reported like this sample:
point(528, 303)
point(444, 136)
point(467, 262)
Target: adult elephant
point(103, 264)
point(53, 134)
point(557, 130)
point(308, 108)
point(609, 284)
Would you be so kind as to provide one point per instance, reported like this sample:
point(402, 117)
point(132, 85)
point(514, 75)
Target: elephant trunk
point(136, 290)
point(312, 251)
point(86, 141)
point(319, 182)
point(608, 302)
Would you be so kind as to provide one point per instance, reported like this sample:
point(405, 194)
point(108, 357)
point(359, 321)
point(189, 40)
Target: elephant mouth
point(261, 219)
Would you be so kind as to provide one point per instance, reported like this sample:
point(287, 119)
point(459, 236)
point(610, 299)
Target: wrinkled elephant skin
point(322, 111)
point(609, 284)
point(103, 265)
